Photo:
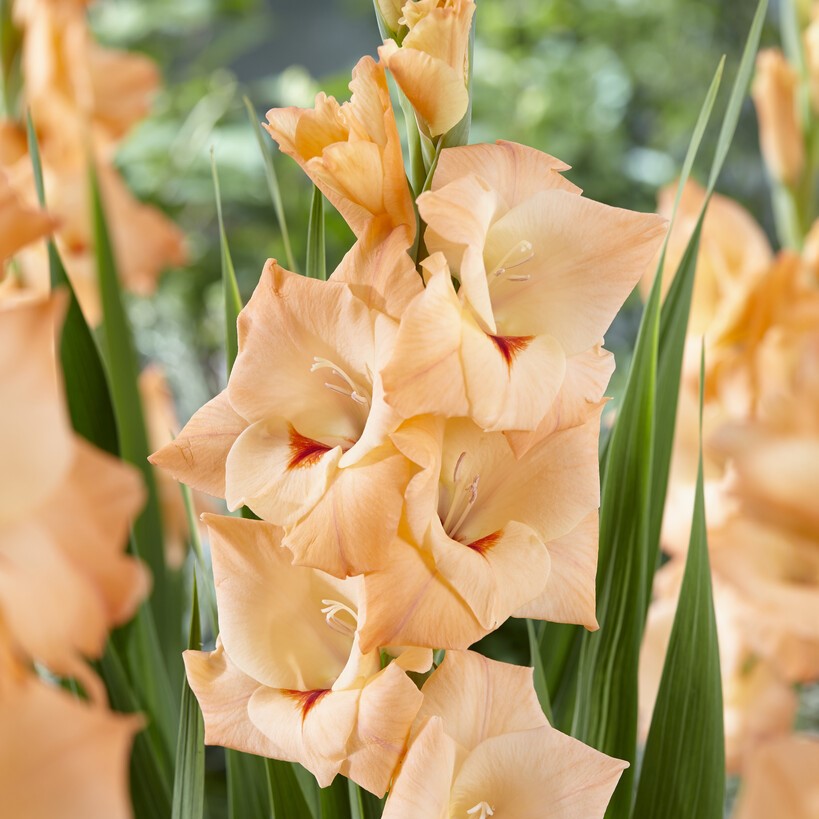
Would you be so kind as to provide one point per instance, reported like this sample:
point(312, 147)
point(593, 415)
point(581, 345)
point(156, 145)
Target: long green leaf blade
point(272, 183)
point(286, 794)
point(607, 673)
point(334, 800)
point(86, 387)
point(683, 772)
point(248, 792)
point(230, 287)
point(316, 267)
point(189, 780)
point(536, 660)
point(123, 373)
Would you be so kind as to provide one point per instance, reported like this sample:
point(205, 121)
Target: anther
point(331, 611)
point(521, 253)
point(484, 808)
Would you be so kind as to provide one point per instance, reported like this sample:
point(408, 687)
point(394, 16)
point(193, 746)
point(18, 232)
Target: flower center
point(463, 498)
point(344, 384)
point(517, 255)
point(481, 811)
point(338, 616)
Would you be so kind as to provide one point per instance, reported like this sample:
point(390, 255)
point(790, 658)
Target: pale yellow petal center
point(455, 508)
point(517, 255)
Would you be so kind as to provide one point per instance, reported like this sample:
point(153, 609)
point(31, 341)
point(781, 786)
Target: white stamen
point(521, 253)
point(472, 489)
point(331, 611)
point(350, 388)
point(457, 469)
point(484, 809)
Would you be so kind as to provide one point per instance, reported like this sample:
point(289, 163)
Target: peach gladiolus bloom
point(288, 679)
point(301, 433)
point(352, 151)
point(734, 252)
point(774, 93)
point(509, 762)
point(65, 510)
point(480, 543)
point(781, 780)
point(431, 66)
point(59, 756)
point(542, 273)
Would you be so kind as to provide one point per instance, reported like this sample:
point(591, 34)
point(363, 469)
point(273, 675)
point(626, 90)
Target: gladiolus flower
point(19, 224)
point(288, 679)
point(542, 273)
point(780, 135)
point(510, 762)
point(65, 509)
point(301, 433)
point(431, 66)
point(489, 545)
point(781, 780)
point(351, 151)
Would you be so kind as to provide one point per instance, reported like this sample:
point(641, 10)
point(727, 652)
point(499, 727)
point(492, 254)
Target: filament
point(519, 254)
point(332, 613)
point(484, 809)
point(347, 388)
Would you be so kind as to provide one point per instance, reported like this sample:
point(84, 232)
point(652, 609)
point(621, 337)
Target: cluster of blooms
point(83, 99)
point(759, 316)
point(422, 453)
point(65, 581)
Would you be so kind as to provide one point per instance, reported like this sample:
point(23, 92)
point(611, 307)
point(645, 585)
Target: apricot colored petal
point(562, 468)
point(19, 225)
point(537, 773)
point(198, 455)
point(289, 323)
point(89, 517)
point(425, 373)
point(346, 531)
point(258, 590)
point(510, 382)
point(412, 658)
point(780, 780)
point(379, 271)
point(436, 90)
point(317, 735)
point(514, 171)
point(35, 443)
point(356, 169)
point(223, 693)
point(63, 757)
point(466, 684)
point(410, 603)
point(388, 705)
point(279, 473)
point(424, 780)
point(587, 376)
point(51, 608)
point(497, 574)
point(459, 217)
point(587, 258)
point(569, 595)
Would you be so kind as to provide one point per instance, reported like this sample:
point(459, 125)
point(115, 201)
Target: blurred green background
point(612, 87)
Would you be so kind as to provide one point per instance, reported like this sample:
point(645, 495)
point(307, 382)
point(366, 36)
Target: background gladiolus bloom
point(65, 510)
point(288, 679)
point(510, 762)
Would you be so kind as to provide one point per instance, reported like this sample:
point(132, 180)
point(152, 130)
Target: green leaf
point(683, 771)
point(363, 805)
point(150, 761)
point(86, 387)
point(189, 780)
point(539, 675)
point(334, 800)
point(272, 182)
point(286, 794)
point(316, 262)
point(123, 374)
point(609, 658)
point(230, 288)
point(248, 792)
